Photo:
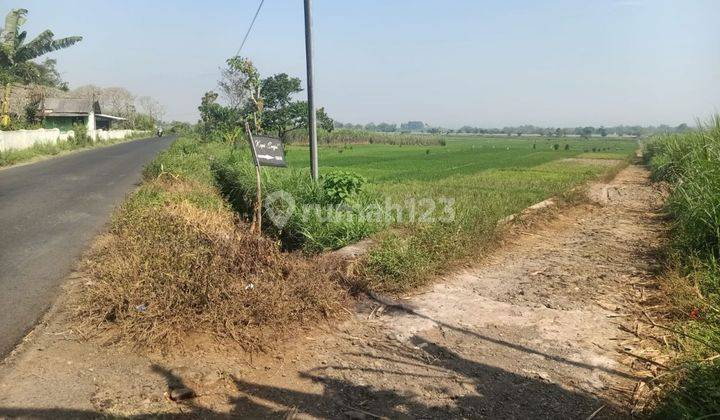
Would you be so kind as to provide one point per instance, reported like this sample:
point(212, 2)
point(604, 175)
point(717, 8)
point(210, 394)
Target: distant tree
point(16, 55)
point(603, 132)
point(370, 127)
point(151, 107)
point(48, 75)
point(219, 120)
point(587, 132)
point(467, 129)
point(386, 127)
point(144, 122)
point(412, 126)
point(558, 132)
point(117, 101)
point(293, 117)
point(278, 90)
point(87, 91)
point(179, 127)
point(241, 85)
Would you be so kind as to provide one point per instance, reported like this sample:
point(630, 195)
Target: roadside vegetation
point(81, 141)
point(690, 163)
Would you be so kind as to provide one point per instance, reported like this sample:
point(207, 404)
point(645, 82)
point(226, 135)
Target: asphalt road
point(49, 213)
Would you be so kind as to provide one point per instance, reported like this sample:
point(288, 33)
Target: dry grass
point(169, 268)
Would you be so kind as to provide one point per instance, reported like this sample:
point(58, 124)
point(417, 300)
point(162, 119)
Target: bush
point(340, 187)
point(80, 136)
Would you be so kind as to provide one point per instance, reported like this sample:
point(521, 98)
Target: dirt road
point(533, 331)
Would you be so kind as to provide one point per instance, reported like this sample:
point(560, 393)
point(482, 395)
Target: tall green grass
point(318, 221)
point(690, 162)
point(347, 136)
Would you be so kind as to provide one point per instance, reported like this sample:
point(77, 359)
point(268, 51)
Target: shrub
point(80, 136)
point(341, 186)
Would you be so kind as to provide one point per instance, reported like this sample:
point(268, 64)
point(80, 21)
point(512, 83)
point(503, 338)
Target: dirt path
point(532, 331)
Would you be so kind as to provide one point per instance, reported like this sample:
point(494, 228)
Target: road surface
point(49, 213)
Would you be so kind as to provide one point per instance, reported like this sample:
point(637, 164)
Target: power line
point(251, 26)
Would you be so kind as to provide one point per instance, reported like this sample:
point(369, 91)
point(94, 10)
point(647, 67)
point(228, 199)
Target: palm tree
point(16, 55)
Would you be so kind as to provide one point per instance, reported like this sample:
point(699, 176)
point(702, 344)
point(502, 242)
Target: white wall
point(110, 134)
point(22, 139)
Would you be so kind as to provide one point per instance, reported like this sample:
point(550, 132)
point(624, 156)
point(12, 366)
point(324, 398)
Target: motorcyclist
point(159, 131)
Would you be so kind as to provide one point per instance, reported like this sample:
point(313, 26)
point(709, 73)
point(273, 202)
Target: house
point(63, 113)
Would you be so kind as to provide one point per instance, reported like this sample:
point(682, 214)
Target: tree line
point(522, 130)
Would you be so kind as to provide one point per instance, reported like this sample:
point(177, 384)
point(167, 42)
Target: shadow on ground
point(491, 392)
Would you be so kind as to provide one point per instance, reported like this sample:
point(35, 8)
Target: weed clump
point(168, 268)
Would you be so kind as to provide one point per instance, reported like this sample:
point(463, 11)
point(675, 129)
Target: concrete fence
point(22, 139)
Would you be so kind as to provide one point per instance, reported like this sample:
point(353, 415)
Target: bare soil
point(536, 329)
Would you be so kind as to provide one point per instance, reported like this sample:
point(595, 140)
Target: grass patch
point(691, 164)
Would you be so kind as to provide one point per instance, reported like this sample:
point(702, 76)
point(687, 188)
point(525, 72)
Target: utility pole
point(312, 124)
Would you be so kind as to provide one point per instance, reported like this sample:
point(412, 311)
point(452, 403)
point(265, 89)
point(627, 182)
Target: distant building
point(63, 113)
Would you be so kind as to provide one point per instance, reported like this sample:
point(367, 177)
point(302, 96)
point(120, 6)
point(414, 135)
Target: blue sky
point(450, 63)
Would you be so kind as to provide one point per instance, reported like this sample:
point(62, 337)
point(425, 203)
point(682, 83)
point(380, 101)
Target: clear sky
point(449, 63)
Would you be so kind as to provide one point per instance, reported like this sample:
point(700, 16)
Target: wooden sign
point(268, 151)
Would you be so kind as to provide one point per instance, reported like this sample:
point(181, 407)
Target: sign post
point(266, 151)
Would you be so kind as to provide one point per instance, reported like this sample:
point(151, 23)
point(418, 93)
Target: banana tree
point(16, 55)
